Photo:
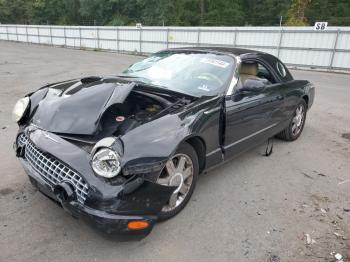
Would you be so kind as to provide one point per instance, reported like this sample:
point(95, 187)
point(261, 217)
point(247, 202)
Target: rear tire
point(182, 171)
point(296, 125)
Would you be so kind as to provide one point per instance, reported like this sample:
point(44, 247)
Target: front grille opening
point(52, 170)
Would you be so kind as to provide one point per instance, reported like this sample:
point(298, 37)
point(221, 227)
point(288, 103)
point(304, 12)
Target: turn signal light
point(138, 224)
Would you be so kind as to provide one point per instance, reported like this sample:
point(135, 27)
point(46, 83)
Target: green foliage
point(265, 12)
point(295, 21)
point(55, 11)
point(175, 12)
point(15, 11)
point(296, 13)
point(223, 12)
point(336, 12)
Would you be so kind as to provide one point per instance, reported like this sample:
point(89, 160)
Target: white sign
point(320, 26)
point(139, 25)
point(214, 62)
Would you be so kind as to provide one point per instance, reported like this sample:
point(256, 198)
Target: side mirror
point(252, 86)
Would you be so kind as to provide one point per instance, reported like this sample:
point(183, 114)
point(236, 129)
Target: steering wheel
point(210, 77)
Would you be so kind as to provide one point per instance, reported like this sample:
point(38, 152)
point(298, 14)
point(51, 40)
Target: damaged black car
point(123, 152)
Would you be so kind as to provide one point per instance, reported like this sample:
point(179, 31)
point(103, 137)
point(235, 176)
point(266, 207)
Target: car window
point(253, 74)
point(265, 73)
point(194, 73)
point(255, 70)
point(281, 70)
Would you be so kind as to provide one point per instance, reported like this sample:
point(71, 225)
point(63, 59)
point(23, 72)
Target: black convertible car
point(122, 152)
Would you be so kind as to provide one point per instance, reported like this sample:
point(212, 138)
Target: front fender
point(154, 142)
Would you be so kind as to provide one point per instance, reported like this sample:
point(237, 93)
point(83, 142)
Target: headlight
point(106, 163)
point(19, 108)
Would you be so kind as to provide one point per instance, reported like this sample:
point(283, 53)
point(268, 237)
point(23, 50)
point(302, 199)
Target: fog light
point(138, 224)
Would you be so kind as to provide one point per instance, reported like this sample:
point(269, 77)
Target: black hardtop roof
point(221, 49)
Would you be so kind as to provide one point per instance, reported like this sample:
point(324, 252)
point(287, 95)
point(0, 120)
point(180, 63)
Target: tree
point(336, 12)
point(95, 11)
point(164, 14)
point(175, 12)
point(265, 12)
point(55, 11)
point(15, 11)
point(224, 13)
point(296, 12)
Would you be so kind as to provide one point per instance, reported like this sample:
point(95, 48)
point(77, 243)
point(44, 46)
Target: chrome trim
point(105, 142)
point(37, 127)
point(46, 135)
point(213, 152)
point(214, 110)
point(51, 169)
point(234, 80)
point(251, 135)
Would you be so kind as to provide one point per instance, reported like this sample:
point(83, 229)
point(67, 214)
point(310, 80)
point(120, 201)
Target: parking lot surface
point(291, 206)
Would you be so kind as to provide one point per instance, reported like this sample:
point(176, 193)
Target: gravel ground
point(253, 208)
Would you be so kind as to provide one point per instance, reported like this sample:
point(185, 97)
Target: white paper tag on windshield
point(214, 62)
point(204, 88)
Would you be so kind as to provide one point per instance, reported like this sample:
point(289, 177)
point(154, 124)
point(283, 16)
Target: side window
point(281, 70)
point(255, 70)
point(265, 73)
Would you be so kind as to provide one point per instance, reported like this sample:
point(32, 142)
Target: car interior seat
point(248, 71)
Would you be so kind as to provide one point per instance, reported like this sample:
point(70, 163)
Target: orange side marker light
point(138, 224)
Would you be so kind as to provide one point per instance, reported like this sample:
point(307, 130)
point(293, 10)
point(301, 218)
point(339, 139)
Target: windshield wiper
point(147, 82)
point(139, 78)
point(143, 80)
point(127, 76)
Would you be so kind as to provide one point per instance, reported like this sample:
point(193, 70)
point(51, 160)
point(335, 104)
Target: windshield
point(196, 74)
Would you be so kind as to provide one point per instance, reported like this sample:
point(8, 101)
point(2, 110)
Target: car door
point(252, 117)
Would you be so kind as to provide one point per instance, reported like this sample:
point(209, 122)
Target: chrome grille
point(52, 170)
point(22, 140)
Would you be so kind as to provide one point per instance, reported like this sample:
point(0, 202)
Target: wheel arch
point(199, 146)
point(306, 99)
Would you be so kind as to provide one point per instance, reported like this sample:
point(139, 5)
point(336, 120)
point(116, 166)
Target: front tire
point(296, 125)
point(181, 171)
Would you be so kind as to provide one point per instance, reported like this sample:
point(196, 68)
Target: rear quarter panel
point(294, 91)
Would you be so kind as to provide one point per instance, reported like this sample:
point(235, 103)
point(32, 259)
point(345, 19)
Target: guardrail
point(296, 46)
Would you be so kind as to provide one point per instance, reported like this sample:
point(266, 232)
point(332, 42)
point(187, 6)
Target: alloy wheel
point(298, 120)
point(178, 171)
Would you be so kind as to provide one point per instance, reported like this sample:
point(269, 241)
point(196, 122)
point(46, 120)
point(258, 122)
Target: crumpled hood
point(76, 107)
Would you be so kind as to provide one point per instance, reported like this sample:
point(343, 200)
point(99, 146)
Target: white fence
point(296, 46)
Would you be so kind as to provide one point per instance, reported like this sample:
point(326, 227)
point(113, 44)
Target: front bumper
point(108, 208)
point(111, 226)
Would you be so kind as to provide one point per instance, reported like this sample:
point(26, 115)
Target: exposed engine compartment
point(89, 110)
point(137, 109)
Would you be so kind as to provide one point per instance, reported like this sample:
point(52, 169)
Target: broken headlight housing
point(106, 163)
point(20, 108)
